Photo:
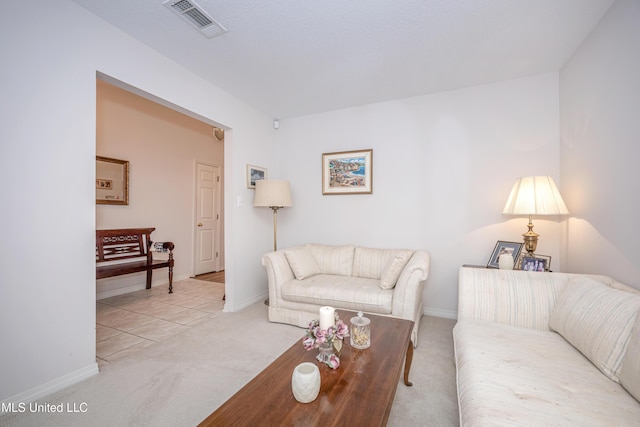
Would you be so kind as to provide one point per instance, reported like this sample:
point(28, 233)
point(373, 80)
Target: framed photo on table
point(535, 263)
point(502, 247)
point(347, 172)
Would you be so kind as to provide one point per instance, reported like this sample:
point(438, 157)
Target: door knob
point(199, 224)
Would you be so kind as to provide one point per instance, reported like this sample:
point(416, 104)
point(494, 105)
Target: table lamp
point(534, 195)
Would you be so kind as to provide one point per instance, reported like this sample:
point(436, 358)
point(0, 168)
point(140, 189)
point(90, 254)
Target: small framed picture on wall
point(255, 173)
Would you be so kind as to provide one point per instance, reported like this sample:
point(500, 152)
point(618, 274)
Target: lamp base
point(530, 239)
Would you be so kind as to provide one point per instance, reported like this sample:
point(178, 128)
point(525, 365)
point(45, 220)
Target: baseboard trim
point(50, 387)
point(244, 304)
point(437, 312)
point(137, 287)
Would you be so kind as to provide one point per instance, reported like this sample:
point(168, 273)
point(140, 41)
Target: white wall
point(600, 147)
point(443, 166)
point(51, 51)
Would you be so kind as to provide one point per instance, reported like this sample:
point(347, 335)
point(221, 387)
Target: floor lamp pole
point(275, 226)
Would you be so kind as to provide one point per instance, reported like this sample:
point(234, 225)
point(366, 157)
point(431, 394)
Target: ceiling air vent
point(198, 18)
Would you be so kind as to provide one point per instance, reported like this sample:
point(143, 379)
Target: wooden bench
point(133, 248)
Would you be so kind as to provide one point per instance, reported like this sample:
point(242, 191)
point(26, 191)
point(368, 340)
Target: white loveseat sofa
point(546, 349)
point(380, 281)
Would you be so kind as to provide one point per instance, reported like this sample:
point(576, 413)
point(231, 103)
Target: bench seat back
point(123, 244)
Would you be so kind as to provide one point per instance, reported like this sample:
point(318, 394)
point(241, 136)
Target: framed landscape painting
point(347, 172)
point(255, 173)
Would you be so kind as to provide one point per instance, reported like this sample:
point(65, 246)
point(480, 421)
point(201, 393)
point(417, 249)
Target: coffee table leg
point(407, 364)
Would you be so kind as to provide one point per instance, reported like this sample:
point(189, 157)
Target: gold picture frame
point(347, 172)
point(112, 181)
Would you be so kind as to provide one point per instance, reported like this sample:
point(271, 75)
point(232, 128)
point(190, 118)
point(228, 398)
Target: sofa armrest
point(407, 294)
point(278, 272)
point(512, 297)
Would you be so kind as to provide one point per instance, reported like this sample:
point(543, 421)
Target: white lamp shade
point(535, 195)
point(272, 192)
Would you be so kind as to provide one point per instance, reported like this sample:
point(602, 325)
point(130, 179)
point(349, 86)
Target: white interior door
point(207, 227)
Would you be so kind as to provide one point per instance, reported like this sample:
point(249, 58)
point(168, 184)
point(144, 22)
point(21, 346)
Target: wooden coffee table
point(359, 392)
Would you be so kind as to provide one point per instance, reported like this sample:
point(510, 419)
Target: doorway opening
point(163, 144)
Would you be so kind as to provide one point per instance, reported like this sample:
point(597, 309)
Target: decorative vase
point(505, 262)
point(325, 351)
point(305, 382)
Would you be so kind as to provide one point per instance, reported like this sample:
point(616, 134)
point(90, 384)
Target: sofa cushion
point(597, 320)
point(630, 372)
point(374, 263)
point(513, 297)
point(510, 376)
point(369, 262)
point(333, 259)
point(302, 262)
point(347, 292)
point(394, 267)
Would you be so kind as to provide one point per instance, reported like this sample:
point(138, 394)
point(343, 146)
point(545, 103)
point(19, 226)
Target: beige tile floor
point(129, 322)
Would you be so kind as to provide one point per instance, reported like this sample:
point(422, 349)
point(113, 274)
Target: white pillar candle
point(505, 262)
point(327, 317)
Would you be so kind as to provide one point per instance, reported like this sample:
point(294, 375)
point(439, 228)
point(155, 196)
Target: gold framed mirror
point(112, 181)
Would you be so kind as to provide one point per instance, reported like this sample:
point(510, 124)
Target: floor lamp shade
point(274, 194)
point(534, 195)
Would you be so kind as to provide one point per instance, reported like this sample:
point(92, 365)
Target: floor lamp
point(534, 195)
point(275, 194)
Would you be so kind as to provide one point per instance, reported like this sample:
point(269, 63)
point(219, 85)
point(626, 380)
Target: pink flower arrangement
point(334, 361)
point(315, 337)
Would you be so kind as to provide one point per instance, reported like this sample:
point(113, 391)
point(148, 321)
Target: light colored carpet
point(179, 382)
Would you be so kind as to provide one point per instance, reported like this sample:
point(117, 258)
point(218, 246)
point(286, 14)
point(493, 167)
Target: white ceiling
point(295, 57)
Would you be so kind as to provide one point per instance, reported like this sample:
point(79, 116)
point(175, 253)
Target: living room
point(443, 163)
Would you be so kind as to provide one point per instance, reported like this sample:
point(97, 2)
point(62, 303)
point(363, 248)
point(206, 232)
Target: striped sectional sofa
point(546, 349)
point(380, 281)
